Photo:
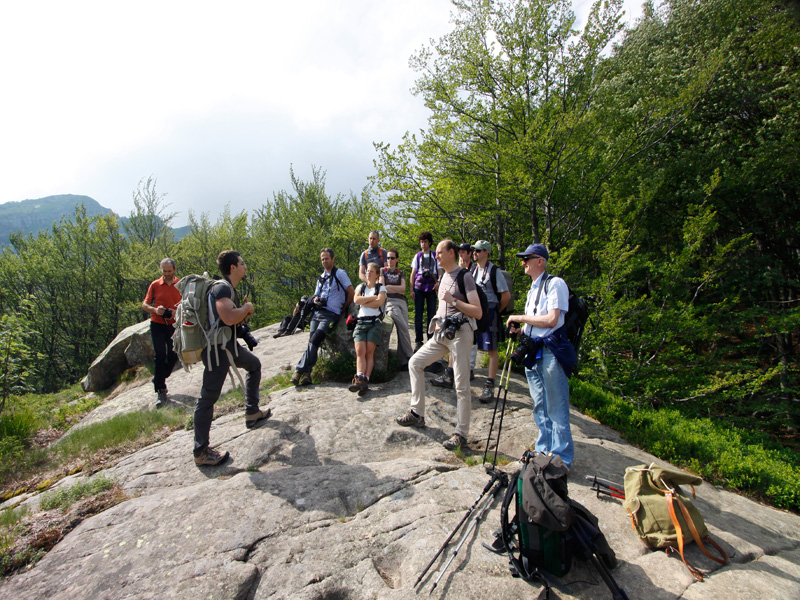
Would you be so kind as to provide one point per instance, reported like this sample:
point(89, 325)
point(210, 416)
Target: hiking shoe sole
point(251, 421)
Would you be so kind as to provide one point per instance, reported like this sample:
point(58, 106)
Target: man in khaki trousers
point(452, 330)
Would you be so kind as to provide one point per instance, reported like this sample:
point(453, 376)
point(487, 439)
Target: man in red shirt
point(161, 300)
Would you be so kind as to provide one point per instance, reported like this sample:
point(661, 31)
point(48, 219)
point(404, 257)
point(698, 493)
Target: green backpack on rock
point(661, 512)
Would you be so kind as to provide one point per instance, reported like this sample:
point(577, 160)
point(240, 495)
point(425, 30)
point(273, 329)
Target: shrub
point(744, 460)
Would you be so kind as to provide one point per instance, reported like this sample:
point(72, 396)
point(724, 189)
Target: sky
point(215, 100)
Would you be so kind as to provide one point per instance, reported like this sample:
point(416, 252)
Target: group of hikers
point(453, 284)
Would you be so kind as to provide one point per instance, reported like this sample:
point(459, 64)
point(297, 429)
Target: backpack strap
point(696, 573)
point(339, 283)
point(547, 278)
point(460, 281)
point(493, 279)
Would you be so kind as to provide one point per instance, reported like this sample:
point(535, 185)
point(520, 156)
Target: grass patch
point(118, 432)
point(91, 446)
point(65, 497)
point(744, 460)
point(27, 538)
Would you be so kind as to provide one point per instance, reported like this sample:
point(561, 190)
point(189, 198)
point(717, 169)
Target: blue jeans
point(549, 388)
point(322, 322)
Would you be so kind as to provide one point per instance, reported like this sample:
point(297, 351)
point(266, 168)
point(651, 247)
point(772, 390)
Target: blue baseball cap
point(537, 249)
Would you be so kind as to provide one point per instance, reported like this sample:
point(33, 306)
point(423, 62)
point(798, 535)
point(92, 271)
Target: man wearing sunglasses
point(543, 322)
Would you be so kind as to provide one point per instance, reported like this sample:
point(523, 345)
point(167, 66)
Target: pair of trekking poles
point(497, 481)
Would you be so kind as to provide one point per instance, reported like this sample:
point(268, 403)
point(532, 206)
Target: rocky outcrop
point(340, 340)
point(132, 347)
point(331, 499)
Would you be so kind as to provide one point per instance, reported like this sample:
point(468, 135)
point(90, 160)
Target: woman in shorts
point(370, 297)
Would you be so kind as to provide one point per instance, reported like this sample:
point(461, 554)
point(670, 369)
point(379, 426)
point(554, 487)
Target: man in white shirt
point(547, 303)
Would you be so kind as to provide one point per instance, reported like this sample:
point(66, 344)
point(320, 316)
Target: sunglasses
point(525, 259)
point(391, 258)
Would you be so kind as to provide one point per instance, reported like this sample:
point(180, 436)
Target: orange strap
point(696, 573)
point(696, 536)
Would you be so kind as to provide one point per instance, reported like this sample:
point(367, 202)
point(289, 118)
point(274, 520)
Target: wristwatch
point(453, 303)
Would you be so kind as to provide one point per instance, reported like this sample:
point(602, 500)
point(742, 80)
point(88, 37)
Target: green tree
point(18, 356)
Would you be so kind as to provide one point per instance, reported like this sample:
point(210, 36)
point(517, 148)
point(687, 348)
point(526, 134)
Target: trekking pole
point(505, 373)
point(603, 487)
point(495, 477)
point(501, 483)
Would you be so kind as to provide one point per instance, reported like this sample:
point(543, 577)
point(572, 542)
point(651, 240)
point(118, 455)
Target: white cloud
point(214, 99)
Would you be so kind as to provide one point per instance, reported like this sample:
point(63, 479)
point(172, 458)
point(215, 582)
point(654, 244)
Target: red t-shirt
point(163, 294)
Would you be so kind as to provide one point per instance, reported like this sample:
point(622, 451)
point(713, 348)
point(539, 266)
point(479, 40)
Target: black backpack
point(547, 529)
point(483, 323)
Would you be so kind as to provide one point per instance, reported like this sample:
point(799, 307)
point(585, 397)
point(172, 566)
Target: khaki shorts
point(368, 331)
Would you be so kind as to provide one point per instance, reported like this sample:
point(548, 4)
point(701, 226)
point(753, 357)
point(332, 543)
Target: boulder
point(340, 341)
point(132, 347)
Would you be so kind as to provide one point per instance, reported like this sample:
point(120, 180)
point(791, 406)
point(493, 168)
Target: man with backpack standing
point(459, 307)
point(545, 339)
point(373, 254)
point(332, 297)
point(161, 300)
point(225, 306)
point(494, 285)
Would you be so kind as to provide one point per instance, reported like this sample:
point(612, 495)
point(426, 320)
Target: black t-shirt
point(222, 289)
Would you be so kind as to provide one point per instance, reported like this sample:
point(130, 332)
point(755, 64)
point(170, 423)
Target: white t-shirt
point(557, 296)
point(365, 311)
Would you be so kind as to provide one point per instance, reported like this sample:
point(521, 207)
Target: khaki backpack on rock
point(660, 512)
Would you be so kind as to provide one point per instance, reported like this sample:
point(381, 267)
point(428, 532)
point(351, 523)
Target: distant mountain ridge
point(33, 216)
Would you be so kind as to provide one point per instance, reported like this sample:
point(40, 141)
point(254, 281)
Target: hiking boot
point(364, 388)
point(250, 421)
point(295, 380)
point(210, 458)
point(454, 442)
point(358, 383)
point(162, 398)
point(444, 380)
point(411, 420)
point(487, 394)
point(305, 379)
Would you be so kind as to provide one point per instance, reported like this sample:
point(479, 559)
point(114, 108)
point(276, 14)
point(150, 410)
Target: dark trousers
point(421, 300)
point(213, 380)
point(165, 358)
point(321, 323)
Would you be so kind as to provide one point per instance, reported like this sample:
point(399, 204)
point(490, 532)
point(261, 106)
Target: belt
point(400, 296)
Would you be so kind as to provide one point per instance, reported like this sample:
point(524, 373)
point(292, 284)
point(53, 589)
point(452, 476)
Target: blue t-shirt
point(332, 287)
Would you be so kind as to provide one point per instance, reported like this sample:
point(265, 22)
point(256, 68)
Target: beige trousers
point(459, 348)
point(397, 309)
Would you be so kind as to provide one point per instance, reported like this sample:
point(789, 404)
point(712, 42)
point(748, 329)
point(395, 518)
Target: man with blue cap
point(551, 356)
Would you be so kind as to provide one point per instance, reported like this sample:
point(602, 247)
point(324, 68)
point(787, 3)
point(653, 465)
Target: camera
point(167, 314)
point(526, 347)
point(427, 273)
point(243, 331)
point(450, 326)
point(322, 302)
